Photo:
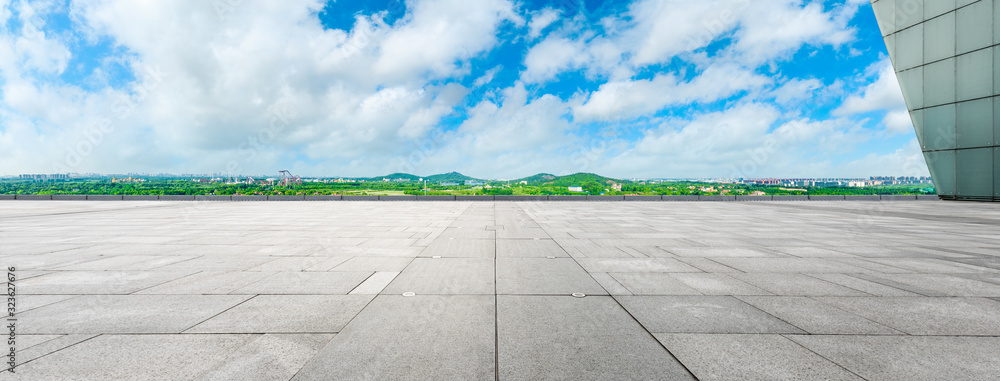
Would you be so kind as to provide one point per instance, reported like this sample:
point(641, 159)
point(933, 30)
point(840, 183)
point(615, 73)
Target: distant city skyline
point(493, 88)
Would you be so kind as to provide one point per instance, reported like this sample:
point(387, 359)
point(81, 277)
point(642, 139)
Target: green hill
point(451, 177)
point(568, 180)
point(537, 179)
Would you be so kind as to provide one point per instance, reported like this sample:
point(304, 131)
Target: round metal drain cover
point(414, 294)
point(579, 294)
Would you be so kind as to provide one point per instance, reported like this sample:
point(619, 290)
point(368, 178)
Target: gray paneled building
point(944, 54)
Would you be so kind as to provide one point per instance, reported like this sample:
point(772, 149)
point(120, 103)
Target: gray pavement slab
point(557, 276)
point(317, 283)
point(701, 314)
point(461, 248)
point(375, 283)
point(438, 337)
point(529, 248)
point(795, 285)
point(653, 284)
point(608, 265)
point(816, 317)
point(445, 276)
point(208, 282)
point(286, 314)
point(97, 314)
point(269, 357)
point(136, 357)
point(788, 265)
point(926, 315)
point(910, 357)
point(717, 284)
point(562, 337)
point(908, 292)
point(750, 357)
point(97, 282)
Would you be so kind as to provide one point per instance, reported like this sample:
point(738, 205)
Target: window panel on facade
point(974, 172)
point(941, 164)
point(939, 38)
point(910, 47)
point(996, 172)
point(996, 121)
point(917, 117)
point(939, 82)
point(934, 8)
point(974, 127)
point(939, 128)
point(883, 15)
point(975, 75)
point(908, 13)
point(911, 82)
point(973, 27)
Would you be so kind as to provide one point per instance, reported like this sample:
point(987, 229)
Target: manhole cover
point(414, 294)
point(575, 294)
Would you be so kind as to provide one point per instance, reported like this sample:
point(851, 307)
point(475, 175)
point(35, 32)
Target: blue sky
point(491, 88)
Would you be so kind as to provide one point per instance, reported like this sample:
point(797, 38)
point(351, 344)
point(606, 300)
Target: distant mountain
point(568, 180)
point(395, 176)
point(451, 177)
point(582, 179)
point(537, 179)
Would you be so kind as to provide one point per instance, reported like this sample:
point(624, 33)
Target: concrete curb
point(69, 197)
point(754, 198)
point(899, 198)
point(286, 198)
point(436, 198)
point(102, 197)
point(862, 198)
point(32, 197)
point(176, 197)
point(140, 197)
point(790, 197)
point(605, 198)
point(643, 198)
point(360, 198)
point(329, 197)
point(475, 198)
point(212, 197)
point(561, 198)
point(716, 198)
point(827, 198)
point(249, 198)
point(680, 198)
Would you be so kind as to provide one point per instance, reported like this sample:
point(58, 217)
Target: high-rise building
point(946, 58)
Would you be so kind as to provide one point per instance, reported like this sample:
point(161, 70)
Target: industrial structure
point(945, 54)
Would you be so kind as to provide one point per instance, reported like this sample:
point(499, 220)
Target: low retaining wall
point(581, 198)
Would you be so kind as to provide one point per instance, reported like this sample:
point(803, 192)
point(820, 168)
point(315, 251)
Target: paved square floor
point(504, 290)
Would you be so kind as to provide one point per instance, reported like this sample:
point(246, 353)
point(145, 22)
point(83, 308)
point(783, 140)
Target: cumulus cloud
point(687, 88)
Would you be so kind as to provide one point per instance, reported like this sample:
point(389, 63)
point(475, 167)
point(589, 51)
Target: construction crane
point(287, 178)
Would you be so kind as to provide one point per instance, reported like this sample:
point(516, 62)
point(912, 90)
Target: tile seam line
point(685, 367)
point(496, 302)
point(63, 348)
point(215, 315)
point(823, 357)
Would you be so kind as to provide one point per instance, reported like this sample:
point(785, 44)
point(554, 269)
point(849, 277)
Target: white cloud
point(440, 32)
point(550, 57)
point(883, 94)
point(541, 20)
point(796, 90)
point(630, 99)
